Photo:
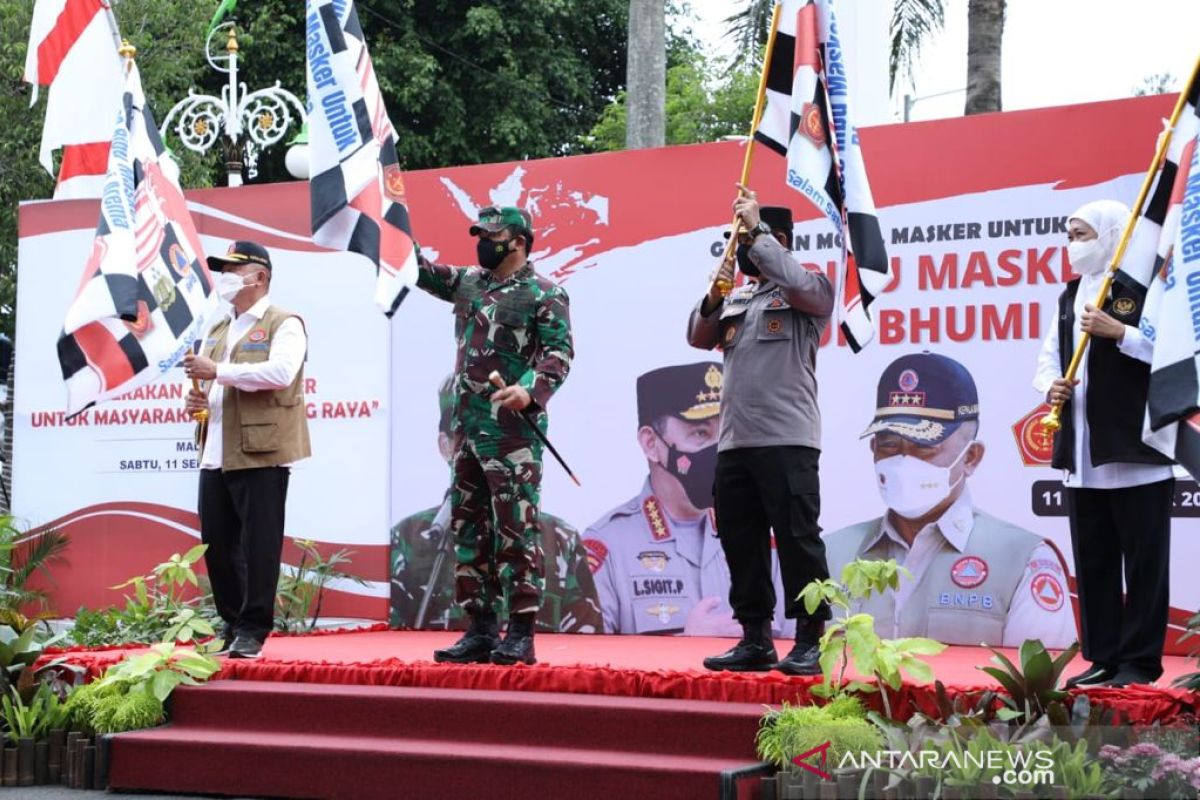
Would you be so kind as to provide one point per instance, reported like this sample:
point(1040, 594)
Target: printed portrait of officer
point(975, 578)
point(657, 562)
point(422, 568)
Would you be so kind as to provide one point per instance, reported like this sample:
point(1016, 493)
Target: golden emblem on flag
point(164, 292)
point(393, 183)
point(1124, 306)
point(811, 125)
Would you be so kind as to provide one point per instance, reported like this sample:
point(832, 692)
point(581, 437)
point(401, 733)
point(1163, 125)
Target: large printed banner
point(973, 212)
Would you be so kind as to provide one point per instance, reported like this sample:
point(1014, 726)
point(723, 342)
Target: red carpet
point(626, 666)
point(366, 715)
point(310, 741)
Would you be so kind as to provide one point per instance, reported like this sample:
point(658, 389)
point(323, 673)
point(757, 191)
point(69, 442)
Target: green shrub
point(791, 731)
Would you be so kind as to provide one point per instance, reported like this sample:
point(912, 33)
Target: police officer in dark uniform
point(770, 436)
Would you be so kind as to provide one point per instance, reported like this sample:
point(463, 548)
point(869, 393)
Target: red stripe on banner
point(83, 159)
point(1181, 177)
point(104, 354)
point(74, 18)
point(807, 53)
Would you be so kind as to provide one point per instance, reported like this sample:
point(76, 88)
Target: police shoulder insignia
point(659, 529)
point(597, 551)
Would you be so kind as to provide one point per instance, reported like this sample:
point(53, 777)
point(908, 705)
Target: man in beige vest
point(975, 578)
point(252, 372)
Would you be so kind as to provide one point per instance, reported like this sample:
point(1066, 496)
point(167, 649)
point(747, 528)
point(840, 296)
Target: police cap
point(690, 392)
point(924, 398)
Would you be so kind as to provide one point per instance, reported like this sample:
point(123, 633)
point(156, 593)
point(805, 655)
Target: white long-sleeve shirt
point(288, 347)
point(1117, 475)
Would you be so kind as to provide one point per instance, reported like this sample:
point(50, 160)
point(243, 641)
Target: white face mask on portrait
point(912, 487)
point(228, 285)
point(1087, 258)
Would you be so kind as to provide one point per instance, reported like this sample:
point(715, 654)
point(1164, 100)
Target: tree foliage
point(701, 106)
point(465, 82)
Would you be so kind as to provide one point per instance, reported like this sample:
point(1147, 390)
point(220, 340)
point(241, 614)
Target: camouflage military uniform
point(569, 603)
point(519, 327)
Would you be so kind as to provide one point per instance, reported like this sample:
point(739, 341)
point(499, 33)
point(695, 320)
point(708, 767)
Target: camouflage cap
point(496, 218)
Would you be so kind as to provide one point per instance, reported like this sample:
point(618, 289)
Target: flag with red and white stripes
point(73, 50)
point(356, 190)
point(146, 294)
point(808, 119)
point(1162, 265)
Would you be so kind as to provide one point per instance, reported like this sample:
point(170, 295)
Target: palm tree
point(913, 23)
point(646, 75)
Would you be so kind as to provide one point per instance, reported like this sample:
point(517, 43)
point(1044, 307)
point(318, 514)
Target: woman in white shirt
point(1119, 491)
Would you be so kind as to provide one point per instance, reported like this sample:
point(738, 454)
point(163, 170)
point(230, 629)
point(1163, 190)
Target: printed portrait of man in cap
point(422, 562)
point(975, 578)
point(657, 563)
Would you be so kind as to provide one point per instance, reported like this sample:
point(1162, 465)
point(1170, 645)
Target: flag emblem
point(1047, 591)
point(1124, 306)
point(812, 126)
point(393, 183)
point(969, 572)
point(142, 324)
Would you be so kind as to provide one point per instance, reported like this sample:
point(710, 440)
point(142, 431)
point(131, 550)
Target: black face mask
point(747, 266)
point(696, 471)
point(491, 253)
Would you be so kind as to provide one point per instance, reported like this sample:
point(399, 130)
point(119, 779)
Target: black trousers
point(241, 521)
point(1126, 533)
point(760, 489)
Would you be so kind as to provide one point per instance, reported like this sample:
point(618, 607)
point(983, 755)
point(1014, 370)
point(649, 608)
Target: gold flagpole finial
point(231, 46)
point(127, 50)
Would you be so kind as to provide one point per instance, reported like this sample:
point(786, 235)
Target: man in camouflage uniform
point(510, 320)
point(422, 555)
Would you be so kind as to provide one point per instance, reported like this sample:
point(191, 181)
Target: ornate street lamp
point(246, 122)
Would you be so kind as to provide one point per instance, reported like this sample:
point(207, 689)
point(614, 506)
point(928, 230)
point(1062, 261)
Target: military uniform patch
point(1047, 591)
point(774, 326)
point(659, 530)
point(662, 611)
point(969, 572)
point(653, 560)
point(597, 551)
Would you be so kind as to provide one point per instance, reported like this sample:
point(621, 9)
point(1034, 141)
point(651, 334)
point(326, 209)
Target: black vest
point(1116, 389)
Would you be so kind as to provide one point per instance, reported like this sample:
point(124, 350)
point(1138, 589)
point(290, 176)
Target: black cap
point(691, 392)
point(777, 218)
point(924, 398)
point(241, 252)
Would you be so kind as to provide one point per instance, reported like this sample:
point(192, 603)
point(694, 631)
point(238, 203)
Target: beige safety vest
point(259, 429)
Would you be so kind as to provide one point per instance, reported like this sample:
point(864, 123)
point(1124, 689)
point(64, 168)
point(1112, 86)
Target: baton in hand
point(499, 383)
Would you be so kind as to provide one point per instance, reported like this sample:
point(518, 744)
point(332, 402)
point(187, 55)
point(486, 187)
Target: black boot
point(805, 657)
point(754, 653)
point(517, 647)
point(476, 645)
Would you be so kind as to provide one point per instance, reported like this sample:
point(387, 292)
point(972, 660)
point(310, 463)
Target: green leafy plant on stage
point(790, 731)
point(169, 599)
point(850, 638)
point(1033, 687)
point(23, 554)
point(302, 591)
point(132, 692)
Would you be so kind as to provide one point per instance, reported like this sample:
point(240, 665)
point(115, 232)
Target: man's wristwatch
point(758, 230)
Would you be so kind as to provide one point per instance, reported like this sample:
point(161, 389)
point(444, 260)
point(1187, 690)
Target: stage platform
point(367, 714)
point(624, 666)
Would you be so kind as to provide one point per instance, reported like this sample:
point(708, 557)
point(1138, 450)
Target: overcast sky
point(1055, 51)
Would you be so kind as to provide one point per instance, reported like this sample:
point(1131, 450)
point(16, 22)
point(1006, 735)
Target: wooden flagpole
point(1052, 421)
point(723, 280)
